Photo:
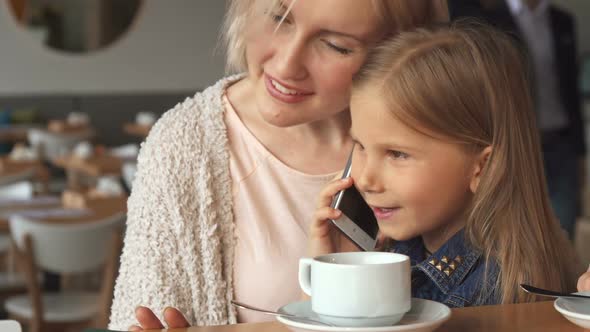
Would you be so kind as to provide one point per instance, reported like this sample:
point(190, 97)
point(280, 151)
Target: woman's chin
point(281, 119)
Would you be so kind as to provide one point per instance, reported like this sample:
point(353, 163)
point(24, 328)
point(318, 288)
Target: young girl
point(447, 156)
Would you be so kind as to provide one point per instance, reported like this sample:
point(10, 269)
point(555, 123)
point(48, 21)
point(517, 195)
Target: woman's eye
point(398, 154)
point(279, 18)
point(358, 146)
point(341, 50)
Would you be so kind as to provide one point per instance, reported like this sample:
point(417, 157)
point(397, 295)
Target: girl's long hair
point(467, 83)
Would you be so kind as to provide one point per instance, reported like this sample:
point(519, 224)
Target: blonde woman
point(448, 156)
point(226, 180)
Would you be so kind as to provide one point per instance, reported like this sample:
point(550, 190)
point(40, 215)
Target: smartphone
point(357, 220)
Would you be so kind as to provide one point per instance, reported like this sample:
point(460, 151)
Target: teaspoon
point(280, 314)
point(549, 293)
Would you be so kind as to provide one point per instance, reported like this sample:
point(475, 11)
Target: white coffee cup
point(78, 119)
point(109, 186)
point(83, 150)
point(358, 289)
point(23, 153)
point(145, 118)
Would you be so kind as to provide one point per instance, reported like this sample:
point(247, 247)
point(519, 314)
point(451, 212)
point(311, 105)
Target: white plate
point(576, 311)
point(424, 316)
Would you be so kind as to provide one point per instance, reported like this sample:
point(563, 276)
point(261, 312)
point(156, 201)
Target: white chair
point(127, 152)
point(52, 145)
point(19, 191)
point(65, 249)
point(128, 172)
point(10, 326)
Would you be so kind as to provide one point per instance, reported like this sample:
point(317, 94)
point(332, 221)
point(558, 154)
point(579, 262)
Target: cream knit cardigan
point(179, 243)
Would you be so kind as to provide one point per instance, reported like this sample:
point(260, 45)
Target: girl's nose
point(290, 60)
point(368, 179)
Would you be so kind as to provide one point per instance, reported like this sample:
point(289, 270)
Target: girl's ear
point(480, 163)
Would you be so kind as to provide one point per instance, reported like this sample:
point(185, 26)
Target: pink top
point(273, 205)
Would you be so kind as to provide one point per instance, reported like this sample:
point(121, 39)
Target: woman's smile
point(285, 93)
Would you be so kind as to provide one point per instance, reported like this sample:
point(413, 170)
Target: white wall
point(169, 48)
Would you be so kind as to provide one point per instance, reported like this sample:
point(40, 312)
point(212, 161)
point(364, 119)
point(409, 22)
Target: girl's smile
point(384, 214)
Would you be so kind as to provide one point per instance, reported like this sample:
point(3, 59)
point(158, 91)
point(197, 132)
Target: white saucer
point(424, 316)
point(576, 311)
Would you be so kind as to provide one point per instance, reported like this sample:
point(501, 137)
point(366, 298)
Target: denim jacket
point(453, 275)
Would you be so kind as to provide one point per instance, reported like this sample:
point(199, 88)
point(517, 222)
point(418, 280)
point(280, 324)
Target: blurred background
point(81, 84)
point(106, 57)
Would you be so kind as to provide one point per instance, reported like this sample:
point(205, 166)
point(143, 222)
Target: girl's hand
point(584, 282)
point(148, 321)
point(324, 237)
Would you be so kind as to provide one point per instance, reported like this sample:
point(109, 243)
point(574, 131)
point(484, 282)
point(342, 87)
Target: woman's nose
point(290, 60)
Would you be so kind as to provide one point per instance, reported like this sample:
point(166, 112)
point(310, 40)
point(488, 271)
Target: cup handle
point(305, 275)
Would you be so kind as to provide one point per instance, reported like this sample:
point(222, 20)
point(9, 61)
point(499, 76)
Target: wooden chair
point(65, 249)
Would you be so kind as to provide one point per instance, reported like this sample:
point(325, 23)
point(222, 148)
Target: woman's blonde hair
point(467, 83)
point(397, 15)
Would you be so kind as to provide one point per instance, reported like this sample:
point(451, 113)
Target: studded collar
point(448, 266)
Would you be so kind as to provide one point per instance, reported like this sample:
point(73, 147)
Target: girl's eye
point(398, 154)
point(341, 50)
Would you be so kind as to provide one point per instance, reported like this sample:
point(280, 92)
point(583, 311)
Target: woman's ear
point(480, 163)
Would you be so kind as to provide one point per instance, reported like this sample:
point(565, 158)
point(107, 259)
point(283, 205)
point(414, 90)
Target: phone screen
point(353, 205)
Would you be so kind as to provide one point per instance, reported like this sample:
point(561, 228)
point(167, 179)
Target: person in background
point(448, 157)
point(226, 180)
point(549, 35)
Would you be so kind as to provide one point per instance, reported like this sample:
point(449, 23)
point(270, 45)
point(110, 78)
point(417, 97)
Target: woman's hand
point(148, 321)
point(584, 281)
point(324, 238)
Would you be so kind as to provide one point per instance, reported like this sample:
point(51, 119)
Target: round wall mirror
point(76, 26)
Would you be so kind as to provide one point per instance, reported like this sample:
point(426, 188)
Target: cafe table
point(91, 167)
point(63, 128)
point(100, 165)
point(137, 130)
point(13, 171)
point(95, 210)
point(15, 133)
point(538, 317)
